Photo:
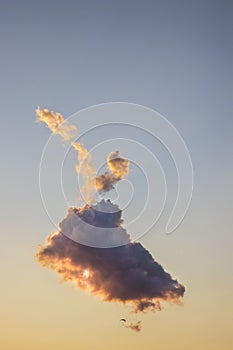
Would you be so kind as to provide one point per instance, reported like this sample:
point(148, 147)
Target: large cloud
point(127, 274)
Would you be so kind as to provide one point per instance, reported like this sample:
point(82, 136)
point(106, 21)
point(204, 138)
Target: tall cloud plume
point(126, 272)
point(58, 125)
point(118, 166)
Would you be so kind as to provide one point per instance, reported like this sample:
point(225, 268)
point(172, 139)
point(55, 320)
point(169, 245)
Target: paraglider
point(123, 321)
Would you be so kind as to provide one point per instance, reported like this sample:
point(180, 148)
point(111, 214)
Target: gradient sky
point(173, 56)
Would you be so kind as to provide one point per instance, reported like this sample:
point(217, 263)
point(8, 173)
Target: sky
point(172, 56)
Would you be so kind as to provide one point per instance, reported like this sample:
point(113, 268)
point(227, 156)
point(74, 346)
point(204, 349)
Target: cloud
point(97, 225)
point(87, 170)
point(135, 326)
point(126, 274)
point(118, 166)
point(93, 250)
point(56, 123)
point(118, 169)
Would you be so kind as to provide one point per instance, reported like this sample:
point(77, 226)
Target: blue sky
point(173, 56)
